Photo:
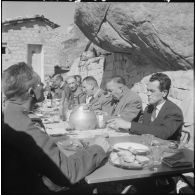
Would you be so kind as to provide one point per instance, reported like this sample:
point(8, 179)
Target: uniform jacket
point(59, 91)
point(129, 107)
point(68, 99)
point(79, 94)
point(100, 101)
point(75, 167)
point(167, 125)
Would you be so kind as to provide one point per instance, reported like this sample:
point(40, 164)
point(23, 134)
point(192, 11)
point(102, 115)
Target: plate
point(135, 148)
point(136, 163)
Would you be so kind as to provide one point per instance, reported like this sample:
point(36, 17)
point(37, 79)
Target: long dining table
point(107, 172)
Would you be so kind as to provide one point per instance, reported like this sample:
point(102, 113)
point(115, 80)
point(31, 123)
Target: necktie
point(92, 98)
point(114, 107)
point(153, 116)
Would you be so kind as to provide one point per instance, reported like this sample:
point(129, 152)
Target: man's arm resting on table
point(75, 167)
point(82, 163)
point(164, 130)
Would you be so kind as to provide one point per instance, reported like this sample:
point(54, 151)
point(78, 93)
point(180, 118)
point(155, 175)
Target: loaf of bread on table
point(142, 159)
point(126, 156)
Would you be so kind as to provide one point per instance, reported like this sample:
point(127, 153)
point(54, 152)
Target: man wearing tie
point(162, 118)
point(125, 103)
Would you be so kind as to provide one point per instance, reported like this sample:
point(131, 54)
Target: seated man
point(76, 95)
point(125, 103)
point(96, 97)
point(162, 118)
point(16, 82)
point(71, 96)
point(79, 79)
point(59, 86)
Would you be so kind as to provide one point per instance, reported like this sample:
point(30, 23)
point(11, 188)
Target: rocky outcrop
point(144, 38)
point(159, 32)
point(74, 45)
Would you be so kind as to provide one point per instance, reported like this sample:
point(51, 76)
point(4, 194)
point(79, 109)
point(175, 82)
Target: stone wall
point(137, 75)
point(144, 38)
point(17, 41)
point(91, 67)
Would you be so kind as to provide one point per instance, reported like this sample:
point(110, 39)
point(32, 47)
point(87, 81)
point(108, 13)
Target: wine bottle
point(49, 99)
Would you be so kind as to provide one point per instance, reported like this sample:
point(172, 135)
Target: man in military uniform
point(72, 96)
point(97, 98)
point(60, 85)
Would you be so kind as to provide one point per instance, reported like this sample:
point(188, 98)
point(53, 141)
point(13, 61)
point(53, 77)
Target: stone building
point(34, 40)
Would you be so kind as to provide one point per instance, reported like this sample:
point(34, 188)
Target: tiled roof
point(32, 18)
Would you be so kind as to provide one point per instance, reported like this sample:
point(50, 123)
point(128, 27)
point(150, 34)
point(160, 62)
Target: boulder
point(75, 44)
point(159, 32)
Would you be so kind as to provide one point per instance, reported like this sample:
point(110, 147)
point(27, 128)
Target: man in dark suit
point(162, 118)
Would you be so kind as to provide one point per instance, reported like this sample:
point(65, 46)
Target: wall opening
point(4, 48)
point(35, 59)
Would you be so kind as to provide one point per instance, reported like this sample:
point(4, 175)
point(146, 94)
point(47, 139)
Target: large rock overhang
point(161, 32)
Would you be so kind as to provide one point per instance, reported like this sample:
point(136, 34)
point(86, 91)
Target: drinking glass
point(147, 139)
point(157, 154)
point(57, 117)
point(101, 122)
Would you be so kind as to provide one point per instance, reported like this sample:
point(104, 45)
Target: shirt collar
point(159, 106)
point(96, 93)
point(62, 84)
point(125, 91)
point(19, 103)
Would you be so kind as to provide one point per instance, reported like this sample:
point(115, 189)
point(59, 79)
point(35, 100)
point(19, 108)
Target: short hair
point(165, 81)
point(91, 80)
point(118, 79)
point(71, 77)
point(59, 77)
point(17, 79)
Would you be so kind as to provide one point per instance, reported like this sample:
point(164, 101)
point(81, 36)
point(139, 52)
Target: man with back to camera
point(125, 103)
point(162, 118)
point(16, 82)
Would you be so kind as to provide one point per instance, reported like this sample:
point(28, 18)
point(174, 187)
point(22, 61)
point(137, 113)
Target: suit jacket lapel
point(147, 114)
point(162, 111)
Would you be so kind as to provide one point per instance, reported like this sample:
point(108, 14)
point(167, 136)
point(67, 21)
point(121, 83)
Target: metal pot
point(82, 118)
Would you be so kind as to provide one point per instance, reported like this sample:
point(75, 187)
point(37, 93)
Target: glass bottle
point(49, 98)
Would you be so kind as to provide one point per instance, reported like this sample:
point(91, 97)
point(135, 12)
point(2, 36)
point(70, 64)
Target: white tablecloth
point(60, 128)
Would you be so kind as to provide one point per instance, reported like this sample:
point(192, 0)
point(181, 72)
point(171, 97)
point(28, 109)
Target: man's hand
point(118, 123)
point(101, 141)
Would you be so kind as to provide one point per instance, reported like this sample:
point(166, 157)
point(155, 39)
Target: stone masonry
point(18, 36)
